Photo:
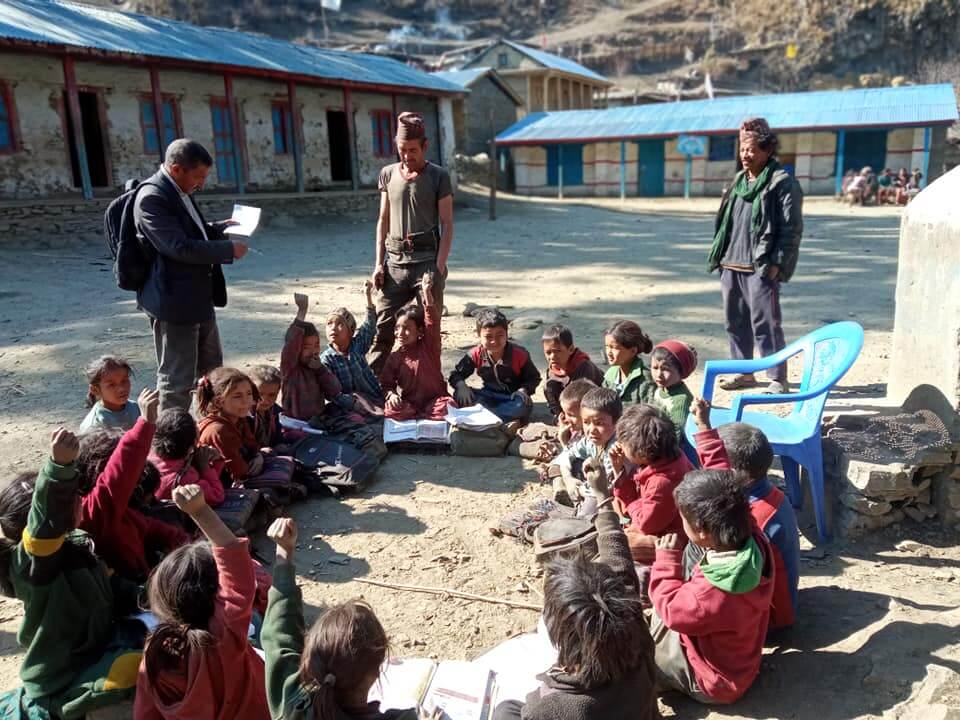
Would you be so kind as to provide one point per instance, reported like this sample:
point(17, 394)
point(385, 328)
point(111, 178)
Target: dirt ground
point(872, 618)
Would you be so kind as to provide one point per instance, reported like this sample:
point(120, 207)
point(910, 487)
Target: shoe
point(738, 382)
point(775, 388)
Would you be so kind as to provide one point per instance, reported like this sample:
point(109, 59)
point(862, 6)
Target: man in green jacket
point(755, 247)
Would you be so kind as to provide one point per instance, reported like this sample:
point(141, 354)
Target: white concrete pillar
point(448, 143)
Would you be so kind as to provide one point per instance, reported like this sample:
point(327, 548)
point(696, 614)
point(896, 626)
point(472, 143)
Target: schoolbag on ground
point(325, 463)
point(131, 260)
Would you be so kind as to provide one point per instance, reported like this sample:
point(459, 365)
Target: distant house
point(490, 106)
point(635, 150)
point(91, 97)
point(543, 80)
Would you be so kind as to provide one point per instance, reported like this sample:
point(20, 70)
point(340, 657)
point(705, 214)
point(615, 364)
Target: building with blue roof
point(690, 147)
point(544, 81)
point(489, 107)
point(90, 97)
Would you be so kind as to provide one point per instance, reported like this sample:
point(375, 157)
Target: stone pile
point(886, 469)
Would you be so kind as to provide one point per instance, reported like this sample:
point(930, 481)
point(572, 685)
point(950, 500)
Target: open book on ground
point(517, 662)
point(474, 417)
point(416, 431)
point(461, 689)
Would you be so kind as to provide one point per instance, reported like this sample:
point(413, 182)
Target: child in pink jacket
point(175, 454)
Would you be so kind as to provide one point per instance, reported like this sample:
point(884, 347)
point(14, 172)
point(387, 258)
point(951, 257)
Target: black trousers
point(751, 308)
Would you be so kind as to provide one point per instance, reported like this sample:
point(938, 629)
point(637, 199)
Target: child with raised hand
point(412, 378)
point(600, 410)
point(566, 363)
point(265, 418)
point(646, 441)
point(180, 462)
point(225, 399)
point(624, 342)
point(709, 630)
point(72, 604)
point(509, 376)
point(746, 450)
point(115, 479)
point(346, 358)
point(307, 383)
point(108, 395)
point(327, 673)
point(198, 661)
point(672, 362)
point(593, 615)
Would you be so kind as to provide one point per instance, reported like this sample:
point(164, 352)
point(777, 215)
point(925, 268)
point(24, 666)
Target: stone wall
point(61, 223)
point(487, 111)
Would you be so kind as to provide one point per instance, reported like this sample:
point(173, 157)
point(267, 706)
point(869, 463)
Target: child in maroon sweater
point(110, 472)
point(565, 363)
point(411, 378)
point(709, 630)
point(225, 398)
point(307, 384)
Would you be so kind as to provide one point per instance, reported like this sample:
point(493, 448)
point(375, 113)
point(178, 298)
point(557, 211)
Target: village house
point(91, 97)
point(490, 106)
point(690, 148)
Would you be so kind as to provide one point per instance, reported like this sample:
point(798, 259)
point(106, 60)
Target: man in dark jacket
point(185, 281)
point(755, 247)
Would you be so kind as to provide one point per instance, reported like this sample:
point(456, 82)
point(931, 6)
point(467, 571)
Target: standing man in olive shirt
point(414, 232)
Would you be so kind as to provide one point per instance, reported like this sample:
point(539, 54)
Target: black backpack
point(131, 258)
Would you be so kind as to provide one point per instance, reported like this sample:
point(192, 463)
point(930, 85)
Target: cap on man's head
point(410, 126)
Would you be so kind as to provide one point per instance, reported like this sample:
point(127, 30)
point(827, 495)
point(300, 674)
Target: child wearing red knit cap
point(671, 362)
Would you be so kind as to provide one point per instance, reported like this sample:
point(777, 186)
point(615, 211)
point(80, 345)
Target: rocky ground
point(877, 631)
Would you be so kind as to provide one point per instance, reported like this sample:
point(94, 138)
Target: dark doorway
point(339, 136)
point(865, 147)
point(93, 140)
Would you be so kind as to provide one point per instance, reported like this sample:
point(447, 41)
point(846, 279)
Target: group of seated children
point(713, 551)
point(861, 188)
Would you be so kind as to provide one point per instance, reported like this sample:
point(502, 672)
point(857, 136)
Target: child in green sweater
point(80, 654)
point(623, 344)
point(671, 363)
point(327, 674)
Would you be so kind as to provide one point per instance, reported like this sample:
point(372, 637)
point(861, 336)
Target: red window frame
point(381, 123)
point(12, 120)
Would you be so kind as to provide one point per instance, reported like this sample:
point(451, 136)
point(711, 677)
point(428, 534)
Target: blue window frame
point(171, 130)
point(223, 141)
point(723, 148)
point(381, 125)
point(282, 128)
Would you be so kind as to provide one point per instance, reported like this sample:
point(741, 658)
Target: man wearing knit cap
point(755, 247)
point(414, 232)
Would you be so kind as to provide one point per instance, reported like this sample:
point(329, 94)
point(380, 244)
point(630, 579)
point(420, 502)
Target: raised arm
point(293, 341)
point(614, 551)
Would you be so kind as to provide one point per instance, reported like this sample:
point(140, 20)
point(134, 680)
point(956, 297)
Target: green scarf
point(748, 192)
point(739, 575)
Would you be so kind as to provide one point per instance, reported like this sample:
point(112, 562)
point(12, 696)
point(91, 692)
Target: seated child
point(672, 362)
point(600, 410)
point(509, 376)
point(412, 378)
point(542, 442)
point(593, 616)
point(709, 630)
point(307, 383)
point(565, 363)
point(108, 395)
point(180, 462)
point(346, 358)
point(624, 342)
point(225, 397)
point(745, 449)
point(198, 661)
point(265, 419)
point(328, 672)
point(646, 440)
point(111, 470)
point(72, 629)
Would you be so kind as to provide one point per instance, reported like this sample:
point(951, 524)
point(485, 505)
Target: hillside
point(743, 44)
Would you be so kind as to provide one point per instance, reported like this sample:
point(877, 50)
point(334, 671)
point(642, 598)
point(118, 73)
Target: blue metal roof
point(912, 105)
point(556, 62)
point(464, 78)
point(57, 22)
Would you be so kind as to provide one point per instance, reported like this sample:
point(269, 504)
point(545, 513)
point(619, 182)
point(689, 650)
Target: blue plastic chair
point(828, 353)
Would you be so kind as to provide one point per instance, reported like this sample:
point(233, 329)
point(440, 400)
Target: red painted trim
point(378, 139)
point(73, 107)
point(239, 139)
point(12, 119)
point(911, 151)
point(104, 132)
point(95, 55)
point(157, 110)
point(352, 139)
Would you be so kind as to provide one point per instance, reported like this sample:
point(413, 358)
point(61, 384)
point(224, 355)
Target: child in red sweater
point(646, 439)
point(198, 662)
point(225, 398)
point(180, 462)
point(566, 363)
point(709, 630)
point(111, 471)
point(307, 383)
point(412, 379)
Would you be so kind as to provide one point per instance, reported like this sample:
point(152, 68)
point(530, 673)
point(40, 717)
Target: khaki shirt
point(414, 206)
